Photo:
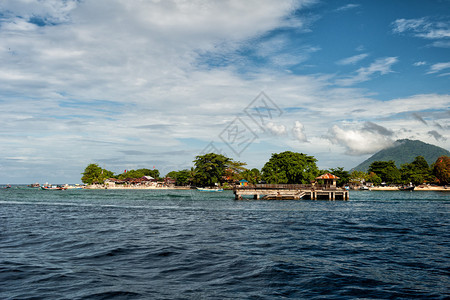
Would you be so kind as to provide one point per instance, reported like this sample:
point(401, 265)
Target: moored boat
point(52, 188)
point(210, 189)
point(406, 188)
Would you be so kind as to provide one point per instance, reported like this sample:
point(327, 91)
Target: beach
point(134, 187)
point(430, 188)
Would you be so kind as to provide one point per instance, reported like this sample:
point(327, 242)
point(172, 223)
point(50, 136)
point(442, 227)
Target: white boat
point(364, 188)
point(53, 188)
point(210, 189)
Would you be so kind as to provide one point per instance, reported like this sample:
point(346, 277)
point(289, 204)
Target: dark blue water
point(104, 244)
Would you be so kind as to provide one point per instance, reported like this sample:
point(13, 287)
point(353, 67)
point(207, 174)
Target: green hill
point(404, 151)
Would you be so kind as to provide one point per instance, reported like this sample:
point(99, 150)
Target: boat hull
point(408, 188)
point(209, 190)
point(52, 188)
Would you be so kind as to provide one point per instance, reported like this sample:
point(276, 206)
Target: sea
point(187, 244)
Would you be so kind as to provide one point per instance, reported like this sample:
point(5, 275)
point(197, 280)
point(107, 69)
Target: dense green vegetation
point(417, 172)
point(253, 176)
point(286, 168)
point(214, 168)
point(343, 175)
point(139, 173)
point(95, 174)
point(182, 177)
point(404, 152)
point(290, 167)
point(386, 170)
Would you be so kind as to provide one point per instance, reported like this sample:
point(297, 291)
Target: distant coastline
point(431, 188)
point(134, 187)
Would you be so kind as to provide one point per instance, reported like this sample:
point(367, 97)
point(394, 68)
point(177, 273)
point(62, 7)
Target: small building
point(148, 178)
point(110, 182)
point(329, 180)
point(169, 181)
point(243, 182)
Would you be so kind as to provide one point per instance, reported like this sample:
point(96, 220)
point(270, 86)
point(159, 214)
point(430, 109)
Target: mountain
point(405, 151)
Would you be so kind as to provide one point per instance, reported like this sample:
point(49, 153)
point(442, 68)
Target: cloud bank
point(370, 138)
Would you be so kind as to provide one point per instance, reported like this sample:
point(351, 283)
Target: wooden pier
point(290, 192)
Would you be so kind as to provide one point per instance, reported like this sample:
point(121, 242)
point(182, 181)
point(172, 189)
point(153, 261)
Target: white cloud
point(441, 44)
point(359, 141)
point(299, 132)
point(419, 63)
point(347, 7)
point(438, 67)
point(422, 27)
point(380, 66)
point(279, 51)
point(276, 129)
point(352, 60)
point(402, 25)
point(92, 74)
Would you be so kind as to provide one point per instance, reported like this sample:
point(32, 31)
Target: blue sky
point(137, 84)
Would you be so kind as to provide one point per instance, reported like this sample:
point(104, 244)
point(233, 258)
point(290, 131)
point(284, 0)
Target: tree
point(441, 170)
point(181, 177)
point(234, 170)
point(191, 175)
point(210, 169)
point(344, 176)
point(253, 176)
point(95, 174)
point(416, 172)
point(386, 170)
point(148, 172)
point(358, 177)
point(374, 178)
point(290, 167)
point(131, 174)
point(139, 173)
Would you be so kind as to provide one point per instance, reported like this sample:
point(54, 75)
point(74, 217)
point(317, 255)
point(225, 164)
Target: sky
point(131, 84)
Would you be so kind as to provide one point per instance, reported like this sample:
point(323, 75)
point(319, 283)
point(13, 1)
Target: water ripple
point(188, 245)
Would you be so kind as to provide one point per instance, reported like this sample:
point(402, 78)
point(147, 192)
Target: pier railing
point(288, 187)
point(290, 191)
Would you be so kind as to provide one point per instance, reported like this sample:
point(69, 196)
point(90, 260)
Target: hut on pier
point(329, 180)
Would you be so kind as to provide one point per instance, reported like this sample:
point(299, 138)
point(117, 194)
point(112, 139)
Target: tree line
point(284, 168)
point(93, 173)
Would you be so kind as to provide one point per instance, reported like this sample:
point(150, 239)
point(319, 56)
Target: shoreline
point(379, 188)
point(417, 188)
point(97, 187)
